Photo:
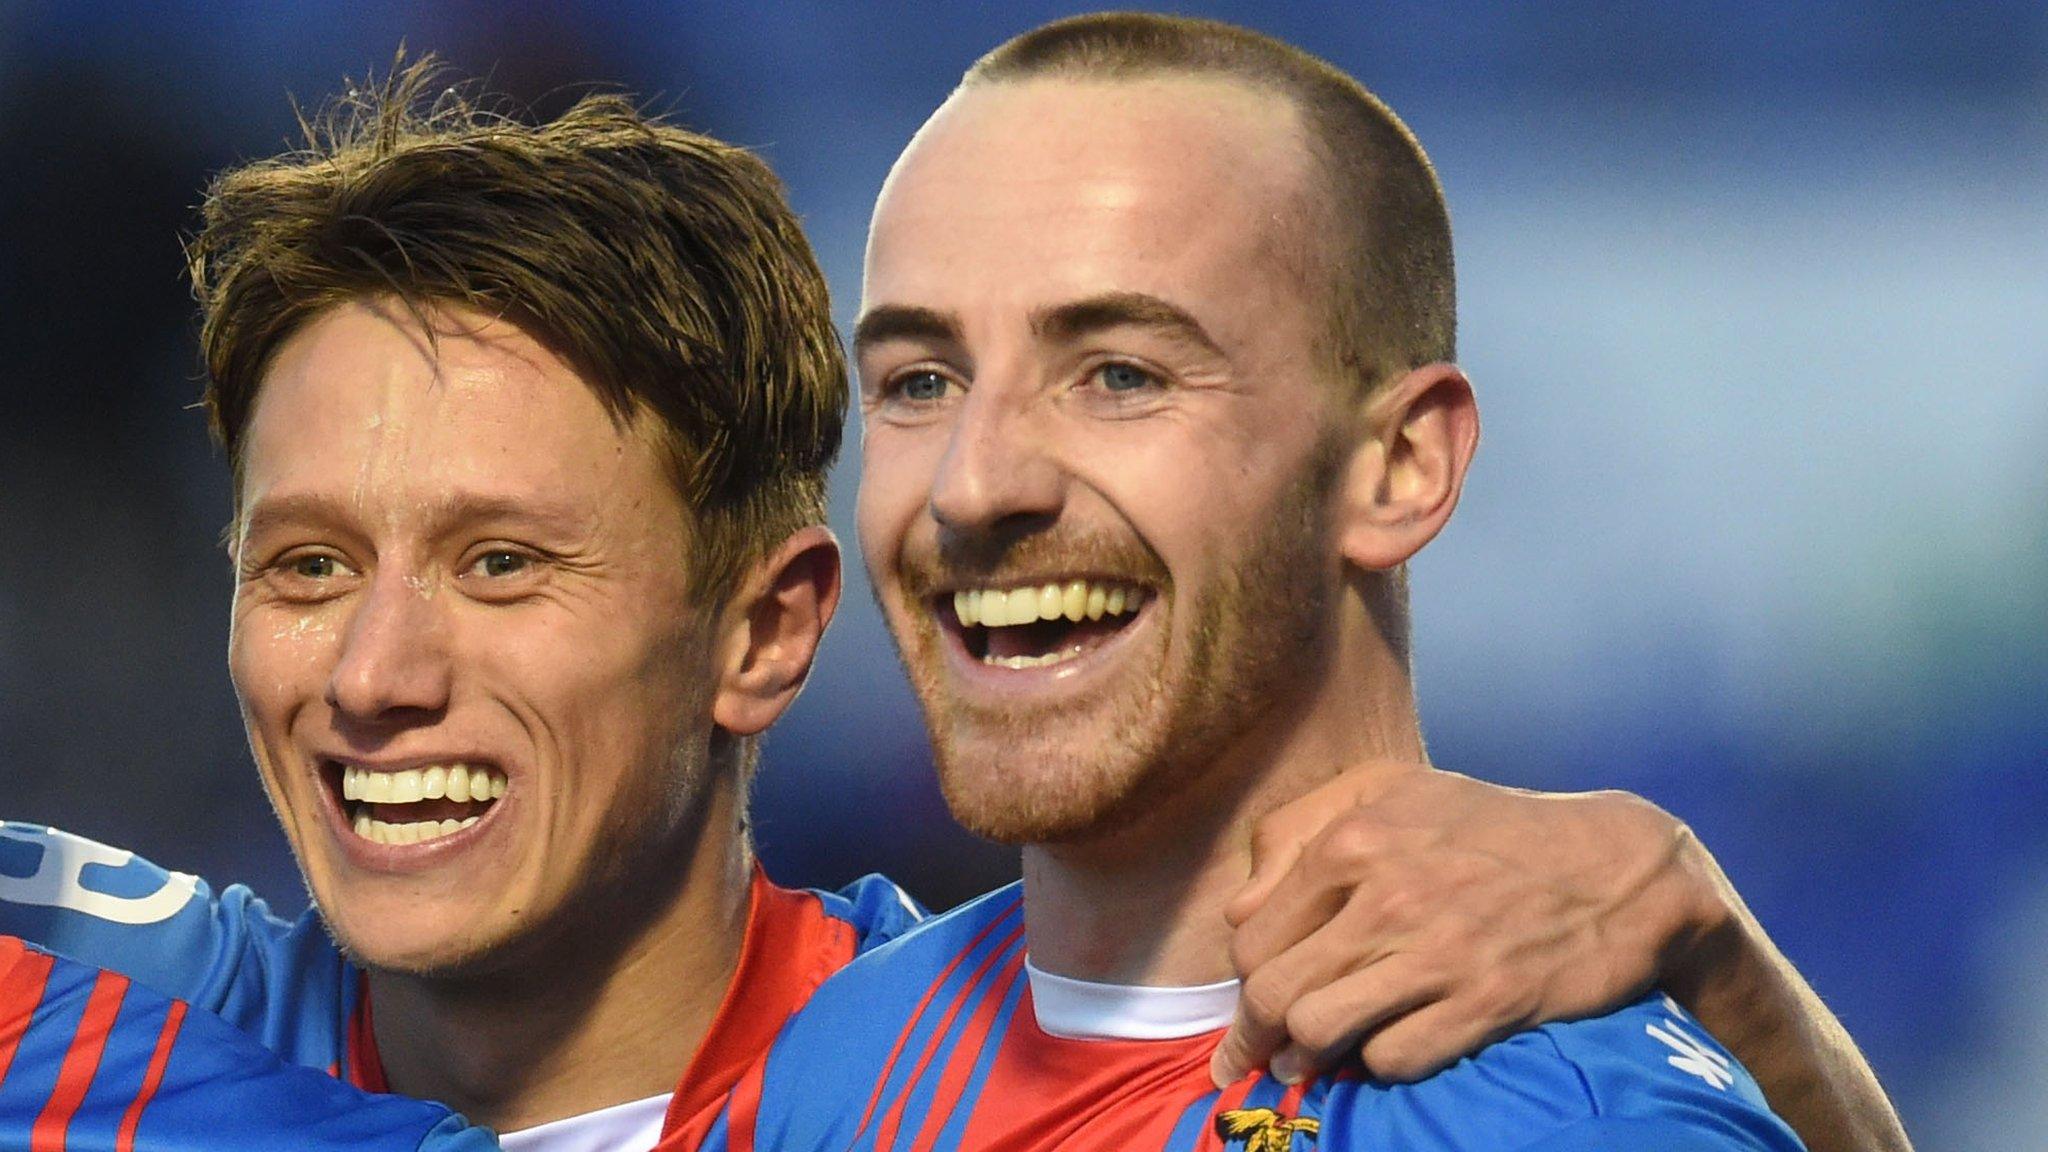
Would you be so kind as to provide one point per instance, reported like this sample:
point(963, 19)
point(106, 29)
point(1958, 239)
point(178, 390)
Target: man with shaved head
point(1156, 358)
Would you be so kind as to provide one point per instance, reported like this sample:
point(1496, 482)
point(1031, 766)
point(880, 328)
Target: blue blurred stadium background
point(1755, 295)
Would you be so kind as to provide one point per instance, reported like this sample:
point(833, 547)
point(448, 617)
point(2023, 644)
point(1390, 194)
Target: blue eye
point(922, 386)
point(1120, 377)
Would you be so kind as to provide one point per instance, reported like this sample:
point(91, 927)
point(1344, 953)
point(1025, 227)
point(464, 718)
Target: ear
point(772, 629)
point(1404, 479)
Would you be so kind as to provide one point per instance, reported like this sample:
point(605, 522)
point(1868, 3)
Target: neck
point(1143, 903)
point(586, 1027)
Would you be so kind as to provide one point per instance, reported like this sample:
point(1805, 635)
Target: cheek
point(597, 674)
point(888, 503)
point(278, 656)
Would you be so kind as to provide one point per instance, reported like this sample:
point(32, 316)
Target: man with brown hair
point(529, 428)
point(1158, 314)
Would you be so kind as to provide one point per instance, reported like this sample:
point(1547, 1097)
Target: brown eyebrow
point(1066, 323)
point(455, 508)
point(1059, 323)
point(905, 322)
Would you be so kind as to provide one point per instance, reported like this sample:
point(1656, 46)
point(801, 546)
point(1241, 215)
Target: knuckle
point(1270, 834)
point(1512, 1003)
point(1347, 844)
point(1317, 1027)
point(1265, 999)
point(1402, 904)
point(1491, 996)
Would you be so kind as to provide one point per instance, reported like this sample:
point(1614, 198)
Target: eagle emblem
point(1263, 1130)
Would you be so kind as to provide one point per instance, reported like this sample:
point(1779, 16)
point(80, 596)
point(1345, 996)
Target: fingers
point(1346, 865)
point(1271, 988)
point(1414, 1025)
point(1322, 993)
point(1428, 1040)
point(1411, 917)
point(1281, 836)
point(1328, 1022)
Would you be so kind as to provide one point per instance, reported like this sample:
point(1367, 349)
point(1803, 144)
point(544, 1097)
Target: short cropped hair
point(664, 266)
point(1391, 282)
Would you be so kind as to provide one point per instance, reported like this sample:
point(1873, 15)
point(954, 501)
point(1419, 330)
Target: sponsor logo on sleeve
point(1689, 1053)
point(59, 880)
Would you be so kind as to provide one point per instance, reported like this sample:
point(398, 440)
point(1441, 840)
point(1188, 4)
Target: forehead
point(1065, 185)
point(363, 397)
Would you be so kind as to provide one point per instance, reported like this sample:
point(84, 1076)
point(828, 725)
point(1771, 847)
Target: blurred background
point(1755, 296)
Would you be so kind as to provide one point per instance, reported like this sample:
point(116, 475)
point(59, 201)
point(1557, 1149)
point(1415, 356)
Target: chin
point(417, 943)
point(1061, 798)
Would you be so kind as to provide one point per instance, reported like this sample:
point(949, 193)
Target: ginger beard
point(1184, 697)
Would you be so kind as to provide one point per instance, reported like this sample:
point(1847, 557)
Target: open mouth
point(414, 805)
point(1042, 625)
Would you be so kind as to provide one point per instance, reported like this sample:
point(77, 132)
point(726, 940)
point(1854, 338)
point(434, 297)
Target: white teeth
point(1051, 602)
point(405, 787)
point(459, 782)
point(408, 831)
point(1020, 662)
point(1024, 606)
point(1074, 600)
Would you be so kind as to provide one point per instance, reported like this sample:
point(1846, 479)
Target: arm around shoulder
point(282, 981)
point(1726, 970)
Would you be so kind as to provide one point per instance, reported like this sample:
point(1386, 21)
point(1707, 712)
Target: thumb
point(1245, 1048)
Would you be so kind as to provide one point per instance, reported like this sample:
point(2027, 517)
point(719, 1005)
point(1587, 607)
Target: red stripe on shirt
point(1098, 1094)
point(81, 1063)
point(1232, 1099)
point(960, 1066)
point(151, 1079)
point(791, 945)
point(23, 975)
point(885, 1133)
point(889, 1066)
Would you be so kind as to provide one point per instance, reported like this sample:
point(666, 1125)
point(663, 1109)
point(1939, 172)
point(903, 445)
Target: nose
point(394, 661)
point(999, 471)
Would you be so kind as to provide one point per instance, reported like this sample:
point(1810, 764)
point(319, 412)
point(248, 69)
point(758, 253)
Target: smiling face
point(473, 677)
point(1099, 441)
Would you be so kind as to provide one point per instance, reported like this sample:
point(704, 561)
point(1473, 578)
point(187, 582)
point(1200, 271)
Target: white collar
point(634, 1126)
point(1085, 1010)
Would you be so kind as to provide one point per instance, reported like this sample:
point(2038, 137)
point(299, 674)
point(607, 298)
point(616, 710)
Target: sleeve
point(1651, 1071)
point(1604, 1134)
point(93, 1062)
point(878, 910)
point(282, 982)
